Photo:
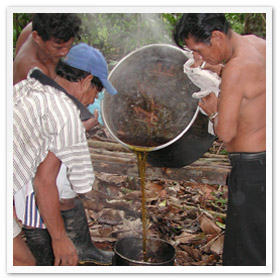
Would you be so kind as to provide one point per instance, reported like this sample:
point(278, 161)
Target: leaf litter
point(189, 215)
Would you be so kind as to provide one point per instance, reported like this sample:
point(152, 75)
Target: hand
point(90, 123)
point(64, 251)
point(198, 60)
point(209, 103)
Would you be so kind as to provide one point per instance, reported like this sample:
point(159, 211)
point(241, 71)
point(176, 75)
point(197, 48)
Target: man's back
point(245, 78)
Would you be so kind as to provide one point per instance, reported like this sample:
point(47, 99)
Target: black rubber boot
point(40, 244)
point(76, 226)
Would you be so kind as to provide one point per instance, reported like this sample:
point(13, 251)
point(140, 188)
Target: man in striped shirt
point(47, 130)
point(41, 44)
point(85, 88)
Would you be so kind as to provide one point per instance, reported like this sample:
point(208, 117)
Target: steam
point(116, 35)
point(154, 29)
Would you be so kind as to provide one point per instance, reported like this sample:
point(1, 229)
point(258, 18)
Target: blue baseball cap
point(90, 59)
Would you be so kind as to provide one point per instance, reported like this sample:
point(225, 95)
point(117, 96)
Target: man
point(42, 43)
point(51, 38)
point(239, 118)
point(46, 129)
point(87, 62)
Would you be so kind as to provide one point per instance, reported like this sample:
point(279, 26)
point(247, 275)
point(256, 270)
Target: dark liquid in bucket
point(142, 158)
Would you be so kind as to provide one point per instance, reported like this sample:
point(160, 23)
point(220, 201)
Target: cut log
point(113, 158)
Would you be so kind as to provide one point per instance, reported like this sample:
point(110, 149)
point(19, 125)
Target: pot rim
point(143, 262)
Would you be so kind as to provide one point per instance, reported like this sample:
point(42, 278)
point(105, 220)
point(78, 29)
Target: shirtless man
point(43, 42)
point(239, 117)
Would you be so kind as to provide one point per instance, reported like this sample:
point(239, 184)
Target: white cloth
point(16, 228)
point(206, 80)
point(25, 204)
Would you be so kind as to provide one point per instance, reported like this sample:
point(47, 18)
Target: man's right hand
point(90, 123)
point(47, 199)
point(64, 251)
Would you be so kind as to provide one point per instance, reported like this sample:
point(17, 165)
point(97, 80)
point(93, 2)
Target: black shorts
point(245, 235)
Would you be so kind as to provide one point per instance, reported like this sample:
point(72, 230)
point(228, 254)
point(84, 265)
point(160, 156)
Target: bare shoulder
point(25, 60)
point(254, 57)
point(246, 71)
point(23, 37)
point(22, 65)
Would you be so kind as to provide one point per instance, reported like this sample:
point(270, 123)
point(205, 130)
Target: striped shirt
point(32, 215)
point(45, 119)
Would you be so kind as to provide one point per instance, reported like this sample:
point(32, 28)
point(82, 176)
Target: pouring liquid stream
point(141, 158)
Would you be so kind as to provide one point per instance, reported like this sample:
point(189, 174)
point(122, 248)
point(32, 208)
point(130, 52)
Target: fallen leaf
point(153, 186)
point(162, 204)
point(132, 195)
point(162, 193)
point(207, 225)
point(187, 238)
point(94, 205)
point(194, 253)
point(134, 227)
point(110, 217)
point(217, 246)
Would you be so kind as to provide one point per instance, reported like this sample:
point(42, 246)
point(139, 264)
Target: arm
point(48, 203)
point(23, 36)
point(228, 104)
point(232, 88)
point(214, 68)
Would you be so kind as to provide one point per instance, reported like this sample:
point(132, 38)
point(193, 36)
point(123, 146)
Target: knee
point(66, 204)
point(21, 253)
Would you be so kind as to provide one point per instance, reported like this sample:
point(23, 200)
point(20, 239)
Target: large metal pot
point(129, 252)
point(154, 109)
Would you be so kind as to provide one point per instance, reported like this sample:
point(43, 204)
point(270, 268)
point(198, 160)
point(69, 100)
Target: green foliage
point(248, 23)
point(236, 21)
point(19, 22)
point(117, 34)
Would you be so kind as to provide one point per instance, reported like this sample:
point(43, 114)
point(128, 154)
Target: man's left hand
point(209, 103)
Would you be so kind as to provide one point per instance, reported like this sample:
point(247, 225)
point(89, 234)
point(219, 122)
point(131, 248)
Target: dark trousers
point(245, 235)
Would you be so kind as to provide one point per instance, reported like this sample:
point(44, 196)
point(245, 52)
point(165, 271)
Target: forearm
point(46, 194)
point(47, 199)
point(214, 68)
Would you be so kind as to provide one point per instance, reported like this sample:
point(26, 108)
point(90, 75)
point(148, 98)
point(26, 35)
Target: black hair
point(73, 74)
point(59, 26)
point(200, 27)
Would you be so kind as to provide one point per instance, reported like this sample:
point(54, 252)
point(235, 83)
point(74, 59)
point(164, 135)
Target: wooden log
point(108, 146)
point(113, 158)
point(199, 174)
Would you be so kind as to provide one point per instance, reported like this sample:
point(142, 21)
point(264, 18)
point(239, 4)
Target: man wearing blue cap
point(92, 60)
point(89, 59)
point(81, 75)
